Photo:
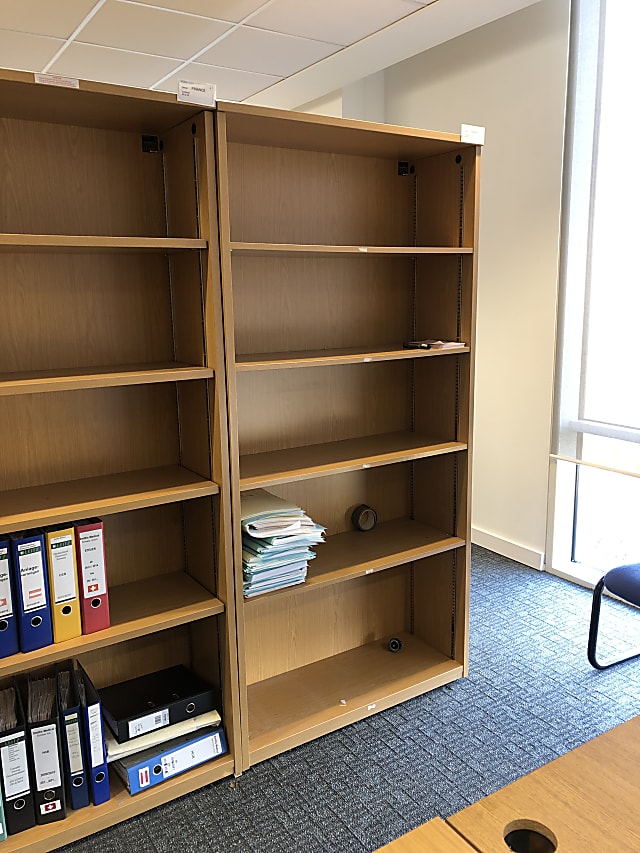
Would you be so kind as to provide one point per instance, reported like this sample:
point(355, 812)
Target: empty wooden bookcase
point(340, 242)
point(112, 385)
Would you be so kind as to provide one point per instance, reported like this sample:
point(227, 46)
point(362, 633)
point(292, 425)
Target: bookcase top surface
point(90, 105)
point(290, 129)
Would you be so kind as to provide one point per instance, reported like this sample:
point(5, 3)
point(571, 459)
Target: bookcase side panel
point(446, 199)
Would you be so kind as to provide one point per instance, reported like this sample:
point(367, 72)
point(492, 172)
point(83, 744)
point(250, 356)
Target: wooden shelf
point(349, 555)
point(238, 248)
point(121, 806)
point(290, 709)
point(259, 470)
point(90, 243)
point(58, 502)
point(41, 381)
point(137, 608)
point(348, 355)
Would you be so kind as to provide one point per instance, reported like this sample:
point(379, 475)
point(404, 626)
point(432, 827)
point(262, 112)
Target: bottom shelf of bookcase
point(121, 806)
point(298, 706)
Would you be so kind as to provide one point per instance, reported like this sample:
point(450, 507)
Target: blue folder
point(73, 739)
point(143, 770)
point(95, 751)
point(32, 590)
point(9, 644)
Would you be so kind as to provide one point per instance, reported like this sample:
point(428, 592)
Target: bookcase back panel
point(75, 310)
point(290, 408)
point(290, 303)
point(60, 179)
point(285, 195)
point(144, 544)
point(446, 186)
point(440, 596)
point(289, 631)
point(74, 434)
point(138, 656)
point(330, 501)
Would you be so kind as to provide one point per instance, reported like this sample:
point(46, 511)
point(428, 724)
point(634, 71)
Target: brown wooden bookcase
point(112, 385)
point(340, 240)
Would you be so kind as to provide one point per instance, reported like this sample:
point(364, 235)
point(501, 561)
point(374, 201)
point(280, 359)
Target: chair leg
point(594, 624)
point(593, 631)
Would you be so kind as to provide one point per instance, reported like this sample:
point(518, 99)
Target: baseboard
point(519, 553)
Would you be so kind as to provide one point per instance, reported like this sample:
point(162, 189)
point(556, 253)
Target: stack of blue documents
point(276, 542)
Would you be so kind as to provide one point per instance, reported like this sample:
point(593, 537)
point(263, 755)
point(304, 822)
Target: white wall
point(509, 76)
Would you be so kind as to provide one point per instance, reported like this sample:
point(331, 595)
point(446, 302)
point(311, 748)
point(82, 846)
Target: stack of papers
point(277, 537)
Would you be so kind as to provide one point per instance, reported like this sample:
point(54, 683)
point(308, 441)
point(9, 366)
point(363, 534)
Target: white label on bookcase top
point(149, 723)
point(472, 133)
point(57, 80)
point(197, 93)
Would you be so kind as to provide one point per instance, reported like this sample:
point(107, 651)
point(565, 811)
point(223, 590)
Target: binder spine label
point(74, 745)
point(149, 723)
point(15, 771)
point(96, 747)
point(31, 567)
point(190, 755)
point(63, 568)
point(45, 757)
point(94, 576)
point(6, 601)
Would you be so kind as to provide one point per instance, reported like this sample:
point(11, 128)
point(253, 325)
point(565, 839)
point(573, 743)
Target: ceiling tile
point(334, 21)
point(223, 10)
point(25, 52)
point(47, 19)
point(129, 26)
point(231, 85)
point(107, 65)
point(250, 49)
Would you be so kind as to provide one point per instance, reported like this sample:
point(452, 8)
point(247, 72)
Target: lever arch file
point(63, 582)
point(32, 590)
point(9, 644)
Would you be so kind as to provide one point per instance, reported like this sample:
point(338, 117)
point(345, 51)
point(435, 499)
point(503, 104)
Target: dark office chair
point(624, 582)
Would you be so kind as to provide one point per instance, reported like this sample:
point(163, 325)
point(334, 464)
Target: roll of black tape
point(395, 644)
point(364, 518)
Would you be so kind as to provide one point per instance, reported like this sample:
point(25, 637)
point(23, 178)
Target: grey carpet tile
point(530, 696)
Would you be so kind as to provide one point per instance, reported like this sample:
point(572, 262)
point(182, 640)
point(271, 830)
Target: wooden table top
point(588, 799)
point(432, 837)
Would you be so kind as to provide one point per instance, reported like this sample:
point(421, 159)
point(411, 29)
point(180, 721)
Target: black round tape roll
point(364, 518)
